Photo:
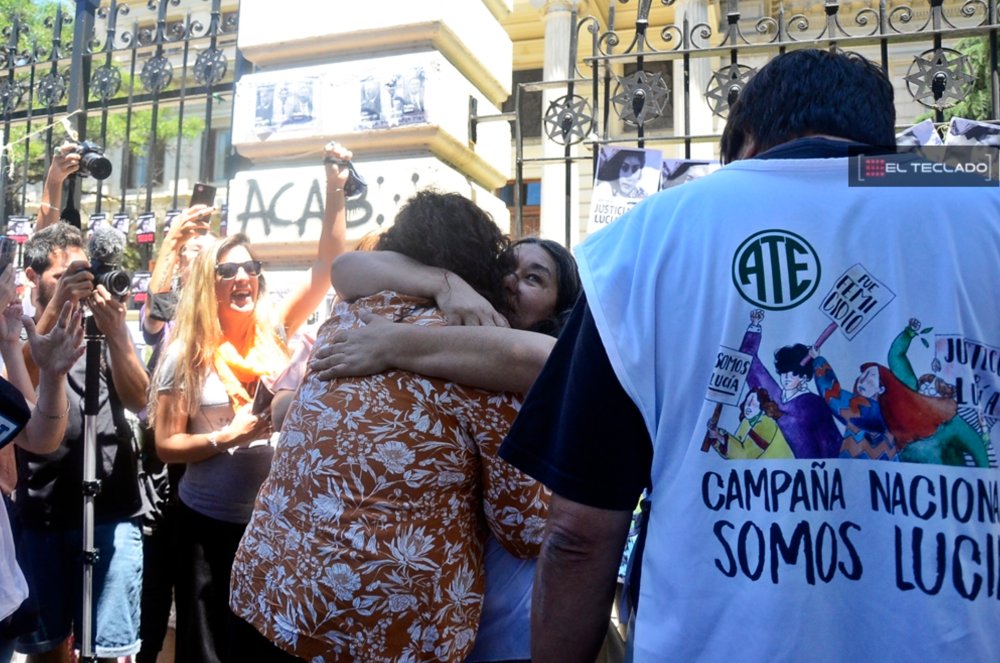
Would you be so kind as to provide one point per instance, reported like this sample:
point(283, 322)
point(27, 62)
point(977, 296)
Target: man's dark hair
point(38, 249)
point(789, 360)
point(808, 92)
point(449, 231)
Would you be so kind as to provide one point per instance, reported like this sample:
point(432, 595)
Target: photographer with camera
point(41, 433)
point(49, 498)
point(71, 158)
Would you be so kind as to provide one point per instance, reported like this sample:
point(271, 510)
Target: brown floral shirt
point(366, 539)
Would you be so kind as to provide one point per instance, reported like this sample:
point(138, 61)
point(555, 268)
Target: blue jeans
point(52, 563)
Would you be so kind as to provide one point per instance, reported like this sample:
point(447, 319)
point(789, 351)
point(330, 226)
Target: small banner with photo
point(97, 221)
point(122, 223)
point(145, 228)
point(168, 220)
point(140, 287)
point(223, 220)
point(19, 228)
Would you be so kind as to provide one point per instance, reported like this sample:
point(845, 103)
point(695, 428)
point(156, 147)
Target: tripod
point(91, 484)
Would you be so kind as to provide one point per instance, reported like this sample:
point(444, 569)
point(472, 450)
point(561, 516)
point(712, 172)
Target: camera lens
point(95, 163)
point(116, 281)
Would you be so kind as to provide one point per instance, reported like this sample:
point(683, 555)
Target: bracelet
point(336, 189)
point(213, 439)
point(53, 417)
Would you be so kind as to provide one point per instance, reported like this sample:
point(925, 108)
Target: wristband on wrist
point(53, 417)
point(213, 440)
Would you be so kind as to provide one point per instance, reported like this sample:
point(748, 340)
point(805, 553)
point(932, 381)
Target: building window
point(145, 170)
point(531, 206)
point(530, 112)
point(220, 144)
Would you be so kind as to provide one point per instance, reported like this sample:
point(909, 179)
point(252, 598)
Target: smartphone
point(203, 194)
point(262, 401)
point(8, 251)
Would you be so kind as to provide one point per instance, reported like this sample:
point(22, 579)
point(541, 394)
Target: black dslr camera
point(115, 280)
point(93, 163)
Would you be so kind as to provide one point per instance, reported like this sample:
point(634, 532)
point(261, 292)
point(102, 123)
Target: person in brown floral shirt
point(366, 539)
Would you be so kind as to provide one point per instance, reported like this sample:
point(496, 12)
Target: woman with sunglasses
point(620, 176)
point(227, 336)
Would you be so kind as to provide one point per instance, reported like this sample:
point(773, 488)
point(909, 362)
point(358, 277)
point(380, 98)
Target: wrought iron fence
point(138, 82)
point(620, 93)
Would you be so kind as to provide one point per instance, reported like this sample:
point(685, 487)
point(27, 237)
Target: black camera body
point(93, 163)
point(115, 280)
point(355, 185)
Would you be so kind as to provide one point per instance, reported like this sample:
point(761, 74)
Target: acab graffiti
point(281, 211)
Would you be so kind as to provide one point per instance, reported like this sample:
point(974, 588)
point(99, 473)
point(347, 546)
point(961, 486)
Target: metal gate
point(940, 54)
point(150, 84)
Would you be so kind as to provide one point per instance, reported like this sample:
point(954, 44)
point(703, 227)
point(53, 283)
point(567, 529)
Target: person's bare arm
point(190, 222)
point(175, 445)
point(127, 372)
point(360, 273)
point(495, 358)
point(332, 242)
point(575, 581)
point(64, 164)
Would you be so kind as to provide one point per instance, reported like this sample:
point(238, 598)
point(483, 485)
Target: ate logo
point(776, 270)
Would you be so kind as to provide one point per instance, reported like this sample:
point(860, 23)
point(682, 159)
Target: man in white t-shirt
point(830, 557)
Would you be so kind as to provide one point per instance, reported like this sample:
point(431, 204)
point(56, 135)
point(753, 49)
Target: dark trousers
point(159, 559)
point(206, 548)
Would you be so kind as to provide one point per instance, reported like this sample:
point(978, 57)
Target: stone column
point(559, 27)
point(701, 117)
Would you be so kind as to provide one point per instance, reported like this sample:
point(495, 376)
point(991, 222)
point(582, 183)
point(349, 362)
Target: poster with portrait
point(295, 104)
point(624, 176)
point(675, 172)
point(287, 106)
point(168, 219)
point(122, 223)
point(140, 287)
point(145, 228)
point(264, 113)
point(406, 91)
point(373, 96)
point(19, 228)
point(97, 221)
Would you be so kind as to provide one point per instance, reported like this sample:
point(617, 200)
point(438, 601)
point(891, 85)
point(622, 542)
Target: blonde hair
point(197, 333)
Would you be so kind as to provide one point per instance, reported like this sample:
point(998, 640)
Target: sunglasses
point(629, 168)
point(228, 270)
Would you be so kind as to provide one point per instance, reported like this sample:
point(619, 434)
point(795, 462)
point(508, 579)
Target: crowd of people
point(450, 469)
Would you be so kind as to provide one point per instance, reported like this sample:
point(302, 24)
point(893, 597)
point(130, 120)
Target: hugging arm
point(494, 358)
point(483, 353)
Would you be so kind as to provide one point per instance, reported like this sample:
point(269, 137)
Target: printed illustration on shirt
point(787, 401)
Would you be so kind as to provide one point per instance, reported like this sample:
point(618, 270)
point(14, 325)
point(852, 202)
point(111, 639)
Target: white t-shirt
point(13, 588)
point(818, 559)
point(224, 486)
